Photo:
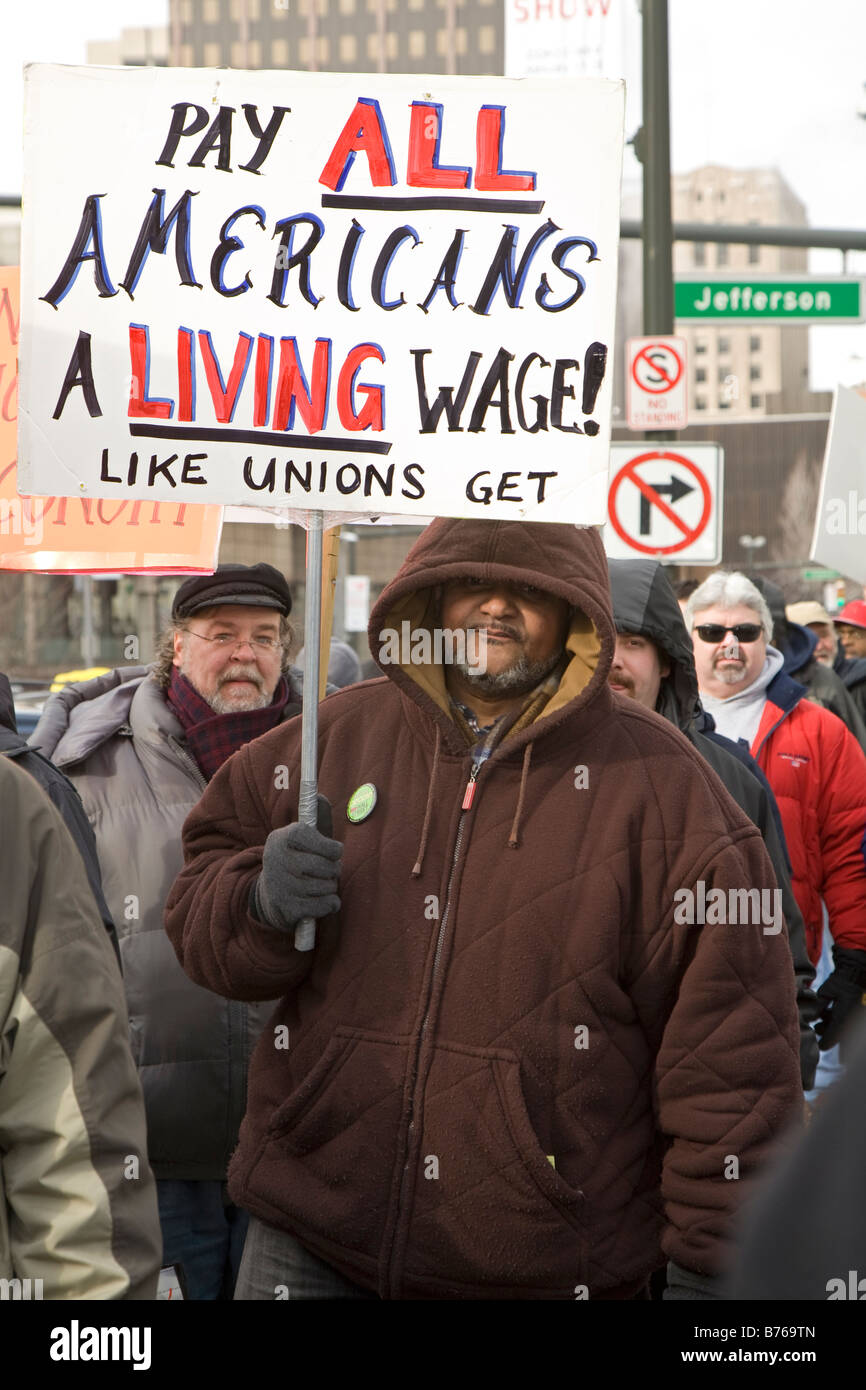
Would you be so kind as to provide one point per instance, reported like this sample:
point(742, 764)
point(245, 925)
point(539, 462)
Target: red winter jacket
point(818, 773)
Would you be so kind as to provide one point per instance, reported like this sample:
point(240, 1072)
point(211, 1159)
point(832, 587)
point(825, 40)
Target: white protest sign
point(840, 523)
point(349, 292)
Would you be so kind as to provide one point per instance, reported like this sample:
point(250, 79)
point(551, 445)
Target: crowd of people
point(590, 940)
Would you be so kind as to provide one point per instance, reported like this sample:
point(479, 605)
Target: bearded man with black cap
point(141, 744)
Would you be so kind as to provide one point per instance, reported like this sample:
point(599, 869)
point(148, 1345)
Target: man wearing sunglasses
point(141, 744)
point(654, 664)
point(813, 763)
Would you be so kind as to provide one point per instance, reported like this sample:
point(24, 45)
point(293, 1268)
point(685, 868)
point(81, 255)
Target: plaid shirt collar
point(483, 738)
point(212, 738)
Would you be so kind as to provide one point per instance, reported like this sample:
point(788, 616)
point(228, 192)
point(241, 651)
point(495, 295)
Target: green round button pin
point(361, 802)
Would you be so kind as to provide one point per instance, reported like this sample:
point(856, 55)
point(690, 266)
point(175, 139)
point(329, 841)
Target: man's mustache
point(620, 678)
point(507, 628)
point(241, 673)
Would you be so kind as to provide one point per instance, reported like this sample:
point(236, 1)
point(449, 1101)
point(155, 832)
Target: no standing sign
point(656, 383)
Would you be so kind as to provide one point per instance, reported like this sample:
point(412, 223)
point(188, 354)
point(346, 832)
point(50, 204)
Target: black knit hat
point(256, 586)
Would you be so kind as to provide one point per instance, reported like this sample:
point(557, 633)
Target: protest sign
point(82, 534)
point(348, 293)
point(840, 519)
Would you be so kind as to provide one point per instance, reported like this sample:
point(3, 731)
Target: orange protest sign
point(83, 535)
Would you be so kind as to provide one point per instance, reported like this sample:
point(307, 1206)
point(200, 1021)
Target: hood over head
point(796, 643)
point(644, 602)
point(775, 601)
point(799, 647)
point(566, 561)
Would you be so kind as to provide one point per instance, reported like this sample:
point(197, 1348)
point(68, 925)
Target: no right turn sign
point(665, 502)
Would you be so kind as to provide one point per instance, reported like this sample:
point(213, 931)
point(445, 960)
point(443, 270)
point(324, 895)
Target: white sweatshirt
point(738, 716)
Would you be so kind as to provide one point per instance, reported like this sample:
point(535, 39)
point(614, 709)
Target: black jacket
point(644, 603)
point(804, 1232)
point(60, 790)
point(851, 670)
point(797, 645)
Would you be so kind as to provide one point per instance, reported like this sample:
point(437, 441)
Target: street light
point(750, 544)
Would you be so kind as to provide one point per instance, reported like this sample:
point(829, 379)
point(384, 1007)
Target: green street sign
point(836, 299)
point(821, 574)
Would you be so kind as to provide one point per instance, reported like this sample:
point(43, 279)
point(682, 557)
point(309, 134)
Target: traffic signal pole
point(653, 148)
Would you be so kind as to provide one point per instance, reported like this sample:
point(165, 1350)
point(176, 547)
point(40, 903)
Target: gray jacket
point(78, 1209)
point(122, 746)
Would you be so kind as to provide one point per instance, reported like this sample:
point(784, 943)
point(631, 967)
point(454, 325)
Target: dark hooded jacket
point(644, 602)
point(851, 670)
point(64, 796)
point(804, 1232)
point(510, 1071)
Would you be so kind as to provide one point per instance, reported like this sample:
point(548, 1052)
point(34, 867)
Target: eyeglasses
point(227, 642)
point(743, 632)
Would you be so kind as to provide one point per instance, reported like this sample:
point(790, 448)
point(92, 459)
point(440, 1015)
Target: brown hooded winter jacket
point(505, 1070)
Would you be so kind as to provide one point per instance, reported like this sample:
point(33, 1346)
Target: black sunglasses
point(743, 632)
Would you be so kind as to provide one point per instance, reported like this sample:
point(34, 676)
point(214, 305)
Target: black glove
point(841, 995)
point(300, 873)
point(809, 1056)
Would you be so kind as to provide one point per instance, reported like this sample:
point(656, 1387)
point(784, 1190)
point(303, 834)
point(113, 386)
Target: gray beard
point(220, 705)
point(730, 677)
point(517, 679)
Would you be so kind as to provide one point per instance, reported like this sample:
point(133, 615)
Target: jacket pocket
point(303, 1097)
point(328, 1155)
point(492, 1214)
point(568, 1199)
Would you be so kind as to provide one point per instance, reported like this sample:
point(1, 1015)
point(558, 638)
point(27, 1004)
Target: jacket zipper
point(193, 766)
point(772, 730)
point(468, 797)
point(236, 1010)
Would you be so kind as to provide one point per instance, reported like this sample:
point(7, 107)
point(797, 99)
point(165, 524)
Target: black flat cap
point(256, 586)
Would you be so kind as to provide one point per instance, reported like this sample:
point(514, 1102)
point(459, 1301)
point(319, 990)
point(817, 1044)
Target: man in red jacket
point(517, 1063)
point(814, 765)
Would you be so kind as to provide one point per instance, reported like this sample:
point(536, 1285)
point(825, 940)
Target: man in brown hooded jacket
point(512, 1066)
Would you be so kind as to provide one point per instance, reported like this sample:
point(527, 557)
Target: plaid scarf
point(212, 737)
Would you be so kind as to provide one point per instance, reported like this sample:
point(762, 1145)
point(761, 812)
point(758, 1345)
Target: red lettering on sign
point(423, 168)
point(139, 358)
point(364, 131)
point(370, 416)
point(489, 176)
point(292, 388)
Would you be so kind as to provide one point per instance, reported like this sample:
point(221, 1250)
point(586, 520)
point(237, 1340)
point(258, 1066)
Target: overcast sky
point(773, 83)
